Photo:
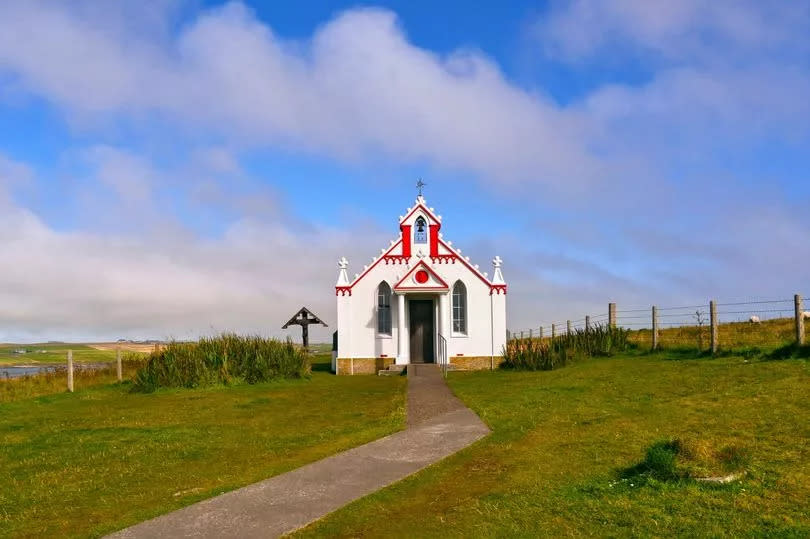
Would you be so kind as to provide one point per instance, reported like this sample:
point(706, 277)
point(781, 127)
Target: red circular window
point(421, 277)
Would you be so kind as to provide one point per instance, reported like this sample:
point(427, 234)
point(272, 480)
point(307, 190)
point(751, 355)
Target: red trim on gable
point(406, 240)
point(423, 266)
point(443, 259)
point(434, 240)
point(343, 290)
point(427, 211)
point(470, 266)
point(497, 289)
point(396, 259)
point(368, 269)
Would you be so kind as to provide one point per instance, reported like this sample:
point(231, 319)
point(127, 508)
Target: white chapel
point(419, 301)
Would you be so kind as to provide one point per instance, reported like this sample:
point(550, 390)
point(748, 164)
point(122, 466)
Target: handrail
point(443, 354)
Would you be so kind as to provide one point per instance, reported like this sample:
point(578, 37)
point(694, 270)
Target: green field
point(565, 444)
point(103, 458)
point(563, 458)
point(49, 353)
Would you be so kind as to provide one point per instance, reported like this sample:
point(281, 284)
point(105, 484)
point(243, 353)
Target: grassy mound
point(677, 459)
point(224, 359)
point(555, 352)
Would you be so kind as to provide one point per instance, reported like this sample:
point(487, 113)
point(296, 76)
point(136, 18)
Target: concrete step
point(392, 370)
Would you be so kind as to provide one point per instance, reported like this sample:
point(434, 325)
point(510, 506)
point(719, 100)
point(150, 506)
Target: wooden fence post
point(521, 335)
point(797, 303)
point(568, 323)
point(553, 330)
point(508, 335)
point(541, 332)
point(655, 328)
point(612, 315)
point(118, 372)
point(587, 323)
point(713, 324)
point(531, 334)
point(70, 371)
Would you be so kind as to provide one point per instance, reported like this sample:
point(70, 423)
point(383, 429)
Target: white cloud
point(154, 277)
point(687, 30)
point(645, 157)
point(357, 88)
point(12, 175)
point(104, 285)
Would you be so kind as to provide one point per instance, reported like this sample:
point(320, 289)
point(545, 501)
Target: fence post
point(655, 328)
point(553, 330)
point(521, 335)
point(612, 315)
point(713, 323)
point(541, 332)
point(118, 363)
point(797, 302)
point(508, 335)
point(568, 323)
point(587, 323)
point(531, 334)
point(70, 371)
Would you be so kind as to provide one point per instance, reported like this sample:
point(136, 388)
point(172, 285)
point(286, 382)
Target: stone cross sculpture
point(304, 318)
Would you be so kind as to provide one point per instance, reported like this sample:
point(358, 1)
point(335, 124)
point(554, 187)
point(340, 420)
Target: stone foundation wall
point(363, 365)
point(476, 363)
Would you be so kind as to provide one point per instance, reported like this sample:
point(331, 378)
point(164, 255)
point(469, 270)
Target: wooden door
point(421, 315)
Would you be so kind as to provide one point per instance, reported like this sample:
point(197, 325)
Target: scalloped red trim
point(396, 259)
point(443, 259)
point(497, 289)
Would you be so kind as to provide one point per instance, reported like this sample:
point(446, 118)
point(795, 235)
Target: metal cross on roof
point(419, 185)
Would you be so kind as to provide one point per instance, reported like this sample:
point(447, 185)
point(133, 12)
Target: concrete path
point(438, 426)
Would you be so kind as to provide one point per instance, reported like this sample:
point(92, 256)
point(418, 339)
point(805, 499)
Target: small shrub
point(221, 360)
point(660, 460)
point(555, 352)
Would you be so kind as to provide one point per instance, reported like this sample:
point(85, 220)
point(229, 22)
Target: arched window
point(420, 230)
point(459, 308)
point(384, 309)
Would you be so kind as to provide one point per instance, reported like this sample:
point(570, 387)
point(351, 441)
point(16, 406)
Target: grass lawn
point(562, 439)
point(102, 458)
point(50, 353)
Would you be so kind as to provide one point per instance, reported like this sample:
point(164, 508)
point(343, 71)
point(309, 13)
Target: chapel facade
point(419, 301)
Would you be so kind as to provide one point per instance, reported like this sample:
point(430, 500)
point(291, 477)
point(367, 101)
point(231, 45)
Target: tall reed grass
point(551, 353)
point(225, 359)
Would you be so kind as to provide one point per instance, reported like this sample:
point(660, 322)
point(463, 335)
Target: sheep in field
point(754, 319)
point(806, 315)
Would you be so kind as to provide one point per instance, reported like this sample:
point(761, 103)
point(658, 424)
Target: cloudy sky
point(171, 169)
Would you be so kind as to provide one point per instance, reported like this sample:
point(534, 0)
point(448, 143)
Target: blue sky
point(172, 168)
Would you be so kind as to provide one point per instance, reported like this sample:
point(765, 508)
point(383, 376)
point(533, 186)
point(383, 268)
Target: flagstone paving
point(438, 425)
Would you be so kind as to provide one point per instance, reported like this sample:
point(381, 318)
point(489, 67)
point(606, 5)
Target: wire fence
point(733, 324)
